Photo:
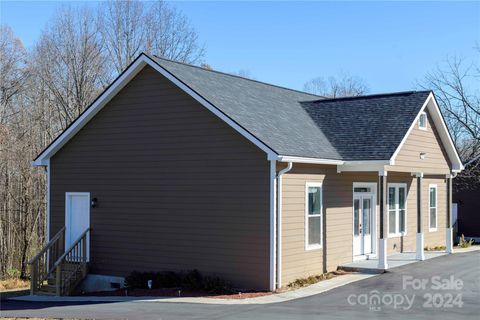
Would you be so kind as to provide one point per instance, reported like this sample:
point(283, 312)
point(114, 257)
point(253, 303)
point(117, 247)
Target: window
point(397, 215)
point(432, 206)
point(422, 121)
point(313, 212)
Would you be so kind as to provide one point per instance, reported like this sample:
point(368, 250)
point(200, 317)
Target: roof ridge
point(240, 77)
point(375, 95)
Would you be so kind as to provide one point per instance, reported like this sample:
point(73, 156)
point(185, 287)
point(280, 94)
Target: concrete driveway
point(446, 287)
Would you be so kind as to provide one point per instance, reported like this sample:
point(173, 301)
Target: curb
point(311, 290)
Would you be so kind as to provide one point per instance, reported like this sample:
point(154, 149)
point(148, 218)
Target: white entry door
point(363, 205)
point(77, 218)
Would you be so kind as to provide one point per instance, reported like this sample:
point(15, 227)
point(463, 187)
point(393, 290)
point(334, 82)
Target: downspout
point(279, 223)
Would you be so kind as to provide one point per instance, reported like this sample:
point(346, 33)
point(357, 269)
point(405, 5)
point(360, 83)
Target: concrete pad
point(394, 261)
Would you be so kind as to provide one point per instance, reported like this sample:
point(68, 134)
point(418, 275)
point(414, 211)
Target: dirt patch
point(175, 292)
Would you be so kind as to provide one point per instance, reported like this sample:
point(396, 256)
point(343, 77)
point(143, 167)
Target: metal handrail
point(47, 246)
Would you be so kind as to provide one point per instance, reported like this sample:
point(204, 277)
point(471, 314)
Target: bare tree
point(21, 186)
point(170, 34)
point(122, 27)
point(333, 87)
point(131, 27)
point(70, 63)
point(456, 87)
point(13, 58)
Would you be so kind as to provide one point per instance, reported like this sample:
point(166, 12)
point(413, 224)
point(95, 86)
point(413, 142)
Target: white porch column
point(449, 230)
point(382, 243)
point(420, 238)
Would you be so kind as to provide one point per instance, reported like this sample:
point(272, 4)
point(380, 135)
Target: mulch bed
point(174, 292)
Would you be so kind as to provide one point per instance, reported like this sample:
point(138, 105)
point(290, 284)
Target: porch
point(395, 260)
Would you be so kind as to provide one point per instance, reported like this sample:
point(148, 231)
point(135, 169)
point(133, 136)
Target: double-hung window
point(432, 207)
point(397, 212)
point(313, 216)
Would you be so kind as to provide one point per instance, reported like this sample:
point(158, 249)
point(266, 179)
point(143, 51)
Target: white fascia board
point(118, 85)
point(364, 166)
point(308, 160)
point(442, 130)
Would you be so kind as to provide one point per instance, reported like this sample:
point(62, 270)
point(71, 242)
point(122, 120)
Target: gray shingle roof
point(294, 123)
point(368, 127)
point(274, 115)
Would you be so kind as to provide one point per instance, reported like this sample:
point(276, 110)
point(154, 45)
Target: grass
point(13, 287)
point(13, 283)
point(303, 282)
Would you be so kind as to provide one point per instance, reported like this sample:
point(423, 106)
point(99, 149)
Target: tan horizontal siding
point(337, 203)
point(177, 188)
point(423, 141)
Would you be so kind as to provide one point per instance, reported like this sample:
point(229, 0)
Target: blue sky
point(389, 44)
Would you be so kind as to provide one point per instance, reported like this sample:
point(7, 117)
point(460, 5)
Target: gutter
point(279, 223)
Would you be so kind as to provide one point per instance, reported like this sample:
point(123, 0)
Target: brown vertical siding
point(177, 188)
point(426, 141)
point(337, 204)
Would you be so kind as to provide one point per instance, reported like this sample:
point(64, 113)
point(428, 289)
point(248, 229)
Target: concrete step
point(48, 288)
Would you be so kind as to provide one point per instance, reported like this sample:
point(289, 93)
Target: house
point(466, 201)
point(176, 167)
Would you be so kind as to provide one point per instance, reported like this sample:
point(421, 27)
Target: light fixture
point(94, 202)
point(423, 155)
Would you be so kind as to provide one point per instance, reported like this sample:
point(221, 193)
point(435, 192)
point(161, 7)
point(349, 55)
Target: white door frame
point(67, 219)
point(375, 208)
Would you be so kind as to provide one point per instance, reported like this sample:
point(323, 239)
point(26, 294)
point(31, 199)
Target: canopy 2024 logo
point(436, 297)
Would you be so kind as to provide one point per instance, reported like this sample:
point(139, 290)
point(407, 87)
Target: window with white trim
point(397, 209)
point(313, 216)
point(432, 207)
point(422, 121)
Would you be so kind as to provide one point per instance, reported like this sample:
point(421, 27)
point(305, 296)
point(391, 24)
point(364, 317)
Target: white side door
point(77, 218)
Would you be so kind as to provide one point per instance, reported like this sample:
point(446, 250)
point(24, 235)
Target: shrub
point(13, 273)
point(192, 280)
point(464, 243)
point(302, 282)
point(216, 285)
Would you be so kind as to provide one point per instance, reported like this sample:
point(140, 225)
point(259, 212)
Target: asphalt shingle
point(294, 123)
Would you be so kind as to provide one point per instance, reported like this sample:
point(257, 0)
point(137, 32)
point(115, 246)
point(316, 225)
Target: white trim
point(442, 130)
point(419, 244)
point(372, 165)
point(273, 223)
point(48, 201)
point(449, 240)
point(382, 254)
point(47, 212)
point(67, 218)
point(430, 186)
point(397, 209)
point(376, 207)
point(118, 85)
point(308, 160)
point(279, 222)
point(423, 113)
point(309, 247)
